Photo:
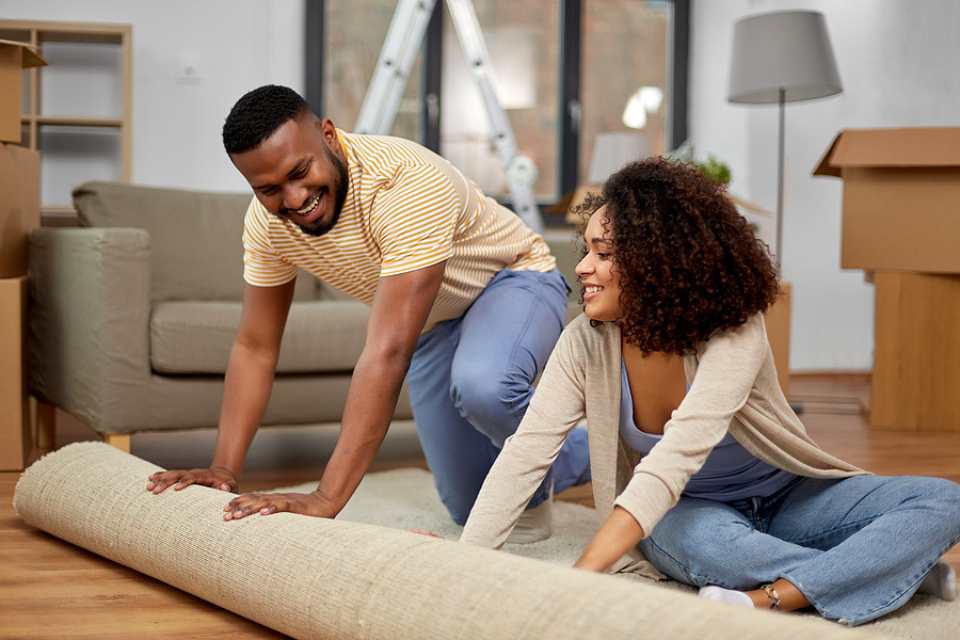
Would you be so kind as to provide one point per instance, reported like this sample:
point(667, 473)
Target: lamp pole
point(783, 93)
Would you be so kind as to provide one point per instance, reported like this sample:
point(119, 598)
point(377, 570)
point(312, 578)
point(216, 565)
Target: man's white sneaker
point(940, 582)
point(533, 525)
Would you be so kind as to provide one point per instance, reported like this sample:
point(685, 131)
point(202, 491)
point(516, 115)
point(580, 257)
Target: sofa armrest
point(89, 323)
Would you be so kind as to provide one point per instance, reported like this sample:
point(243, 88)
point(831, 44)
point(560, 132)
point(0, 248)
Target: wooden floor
point(50, 589)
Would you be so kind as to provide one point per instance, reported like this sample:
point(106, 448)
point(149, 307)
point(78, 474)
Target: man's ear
point(328, 130)
point(329, 133)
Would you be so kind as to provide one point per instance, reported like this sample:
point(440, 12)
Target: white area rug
point(406, 499)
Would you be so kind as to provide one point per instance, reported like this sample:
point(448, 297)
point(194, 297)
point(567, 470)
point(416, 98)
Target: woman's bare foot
point(790, 597)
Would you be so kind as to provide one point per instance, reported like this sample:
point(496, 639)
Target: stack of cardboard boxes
point(901, 225)
point(19, 214)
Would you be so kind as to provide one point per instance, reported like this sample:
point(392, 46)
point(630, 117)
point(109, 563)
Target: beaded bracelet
point(773, 595)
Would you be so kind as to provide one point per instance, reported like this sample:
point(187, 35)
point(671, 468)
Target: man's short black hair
point(258, 114)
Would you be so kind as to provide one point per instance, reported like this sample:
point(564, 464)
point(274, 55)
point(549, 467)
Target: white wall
point(898, 64)
point(233, 46)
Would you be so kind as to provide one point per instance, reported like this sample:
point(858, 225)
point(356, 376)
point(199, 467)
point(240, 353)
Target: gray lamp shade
point(787, 50)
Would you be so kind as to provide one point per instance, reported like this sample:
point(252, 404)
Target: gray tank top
point(730, 471)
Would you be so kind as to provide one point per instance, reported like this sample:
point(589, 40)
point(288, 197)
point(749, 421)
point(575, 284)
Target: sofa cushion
point(195, 237)
point(196, 250)
point(196, 337)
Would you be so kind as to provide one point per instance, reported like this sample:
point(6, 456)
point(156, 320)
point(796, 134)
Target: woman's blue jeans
point(857, 548)
point(471, 379)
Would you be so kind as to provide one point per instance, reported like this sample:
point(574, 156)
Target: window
point(523, 42)
point(354, 33)
point(625, 70)
point(587, 84)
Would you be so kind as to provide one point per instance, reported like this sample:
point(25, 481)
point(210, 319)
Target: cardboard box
point(916, 371)
point(777, 319)
point(14, 58)
point(19, 206)
point(901, 198)
point(14, 414)
point(763, 220)
point(578, 197)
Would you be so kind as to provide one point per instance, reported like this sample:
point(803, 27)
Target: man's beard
point(340, 196)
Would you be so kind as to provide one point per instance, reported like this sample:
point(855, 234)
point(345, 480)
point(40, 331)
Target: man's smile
point(311, 211)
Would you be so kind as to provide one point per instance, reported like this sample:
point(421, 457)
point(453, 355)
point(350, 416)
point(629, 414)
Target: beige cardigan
point(732, 387)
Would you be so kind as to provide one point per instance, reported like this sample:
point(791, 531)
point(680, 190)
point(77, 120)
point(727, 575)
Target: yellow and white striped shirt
point(406, 209)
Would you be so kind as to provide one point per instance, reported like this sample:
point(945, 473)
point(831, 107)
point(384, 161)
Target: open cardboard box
point(901, 198)
point(19, 167)
point(901, 224)
point(14, 58)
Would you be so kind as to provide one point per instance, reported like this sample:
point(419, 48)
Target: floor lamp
point(778, 58)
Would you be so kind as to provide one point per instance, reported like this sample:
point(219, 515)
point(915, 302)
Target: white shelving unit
point(76, 111)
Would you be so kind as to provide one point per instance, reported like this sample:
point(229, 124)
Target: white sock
point(730, 596)
point(940, 582)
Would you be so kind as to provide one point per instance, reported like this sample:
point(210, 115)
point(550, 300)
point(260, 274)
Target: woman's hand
point(619, 534)
point(308, 504)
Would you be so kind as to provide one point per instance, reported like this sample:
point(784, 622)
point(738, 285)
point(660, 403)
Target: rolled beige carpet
point(313, 578)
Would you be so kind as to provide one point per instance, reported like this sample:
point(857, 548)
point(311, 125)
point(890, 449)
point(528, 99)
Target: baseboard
point(862, 374)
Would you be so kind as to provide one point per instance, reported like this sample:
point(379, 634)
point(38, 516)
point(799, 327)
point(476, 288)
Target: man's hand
point(216, 477)
point(308, 504)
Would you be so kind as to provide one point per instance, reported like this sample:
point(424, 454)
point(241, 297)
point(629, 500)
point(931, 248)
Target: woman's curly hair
point(690, 266)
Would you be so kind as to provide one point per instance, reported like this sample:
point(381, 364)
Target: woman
point(698, 461)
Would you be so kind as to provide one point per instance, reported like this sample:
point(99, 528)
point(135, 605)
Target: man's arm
point(400, 310)
point(398, 314)
point(250, 371)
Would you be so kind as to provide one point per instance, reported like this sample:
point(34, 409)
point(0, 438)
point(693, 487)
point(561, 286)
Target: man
point(466, 303)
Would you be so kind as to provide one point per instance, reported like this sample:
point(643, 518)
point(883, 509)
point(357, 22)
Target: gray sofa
point(134, 313)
